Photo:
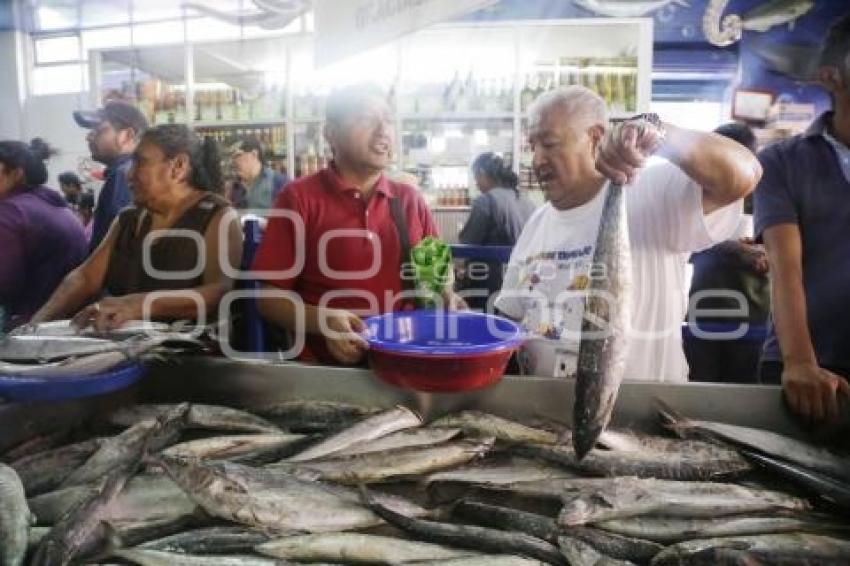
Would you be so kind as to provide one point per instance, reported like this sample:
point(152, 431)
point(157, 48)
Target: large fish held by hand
point(602, 350)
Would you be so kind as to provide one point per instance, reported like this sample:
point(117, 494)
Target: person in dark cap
point(258, 185)
point(114, 132)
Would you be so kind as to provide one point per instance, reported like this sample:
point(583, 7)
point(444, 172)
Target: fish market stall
point(208, 460)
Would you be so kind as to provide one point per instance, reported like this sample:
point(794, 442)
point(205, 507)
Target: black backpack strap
point(404, 239)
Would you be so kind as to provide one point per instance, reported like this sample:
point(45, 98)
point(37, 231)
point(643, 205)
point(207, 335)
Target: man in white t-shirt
point(673, 208)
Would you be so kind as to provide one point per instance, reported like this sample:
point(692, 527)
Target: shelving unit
point(457, 89)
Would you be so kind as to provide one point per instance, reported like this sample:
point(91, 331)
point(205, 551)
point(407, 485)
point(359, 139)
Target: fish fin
point(671, 419)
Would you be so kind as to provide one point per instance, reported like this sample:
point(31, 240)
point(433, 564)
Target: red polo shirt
point(350, 246)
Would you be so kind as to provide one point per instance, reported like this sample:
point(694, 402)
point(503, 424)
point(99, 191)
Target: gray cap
point(119, 114)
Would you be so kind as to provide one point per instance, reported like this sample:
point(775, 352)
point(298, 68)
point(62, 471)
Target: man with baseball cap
point(114, 132)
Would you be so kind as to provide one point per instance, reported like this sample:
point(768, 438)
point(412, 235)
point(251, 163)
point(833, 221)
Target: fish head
point(602, 501)
point(564, 148)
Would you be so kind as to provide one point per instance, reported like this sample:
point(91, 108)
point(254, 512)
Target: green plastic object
point(432, 270)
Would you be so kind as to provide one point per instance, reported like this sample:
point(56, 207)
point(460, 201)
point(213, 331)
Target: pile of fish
point(57, 349)
point(323, 482)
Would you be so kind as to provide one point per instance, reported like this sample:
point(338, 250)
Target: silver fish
point(273, 500)
point(314, 416)
point(499, 473)
point(601, 358)
point(48, 349)
point(479, 539)
point(130, 350)
point(36, 444)
point(145, 557)
point(776, 13)
point(208, 417)
point(370, 428)
point(616, 498)
point(144, 498)
point(227, 447)
point(670, 530)
point(485, 424)
point(15, 518)
point(828, 488)
point(410, 438)
point(151, 435)
point(375, 467)
point(484, 560)
point(759, 440)
point(789, 548)
point(693, 462)
point(625, 8)
point(357, 548)
point(209, 540)
point(543, 527)
point(64, 328)
point(47, 470)
point(579, 553)
point(82, 530)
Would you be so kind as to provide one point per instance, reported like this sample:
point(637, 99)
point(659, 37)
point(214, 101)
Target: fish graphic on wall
point(726, 30)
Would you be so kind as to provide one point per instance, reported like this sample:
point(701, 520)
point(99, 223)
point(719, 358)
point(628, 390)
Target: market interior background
point(62, 55)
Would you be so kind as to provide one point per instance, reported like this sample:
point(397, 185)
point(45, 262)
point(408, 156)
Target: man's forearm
point(724, 169)
point(790, 319)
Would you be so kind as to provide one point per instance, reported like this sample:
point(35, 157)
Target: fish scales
point(15, 518)
point(602, 348)
point(357, 548)
point(468, 536)
point(613, 545)
point(404, 462)
point(370, 428)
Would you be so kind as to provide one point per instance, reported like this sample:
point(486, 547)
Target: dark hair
point(836, 46)
point(86, 201)
point(494, 167)
point(29, 158)
point(253, 144)
point(204, 158)
point(347, 100)
point(739, 132)
point(70, 178)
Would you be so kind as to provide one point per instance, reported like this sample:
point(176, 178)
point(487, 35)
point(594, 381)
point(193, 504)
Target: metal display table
point(219, 380)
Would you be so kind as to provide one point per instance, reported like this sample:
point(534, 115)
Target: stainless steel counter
point(217, 380)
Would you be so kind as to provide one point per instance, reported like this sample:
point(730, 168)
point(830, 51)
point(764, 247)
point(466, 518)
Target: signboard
point(346, 27)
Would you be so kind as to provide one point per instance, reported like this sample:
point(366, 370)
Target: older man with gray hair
point(673, 208)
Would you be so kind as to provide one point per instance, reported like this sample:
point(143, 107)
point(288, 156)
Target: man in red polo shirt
point(351, 218)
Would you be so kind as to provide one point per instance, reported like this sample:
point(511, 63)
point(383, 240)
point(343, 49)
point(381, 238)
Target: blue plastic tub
point(21, 388)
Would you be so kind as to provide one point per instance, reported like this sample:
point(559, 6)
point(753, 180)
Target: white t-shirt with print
point(550, 266)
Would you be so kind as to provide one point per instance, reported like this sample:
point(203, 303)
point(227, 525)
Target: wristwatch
point(651, 118)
